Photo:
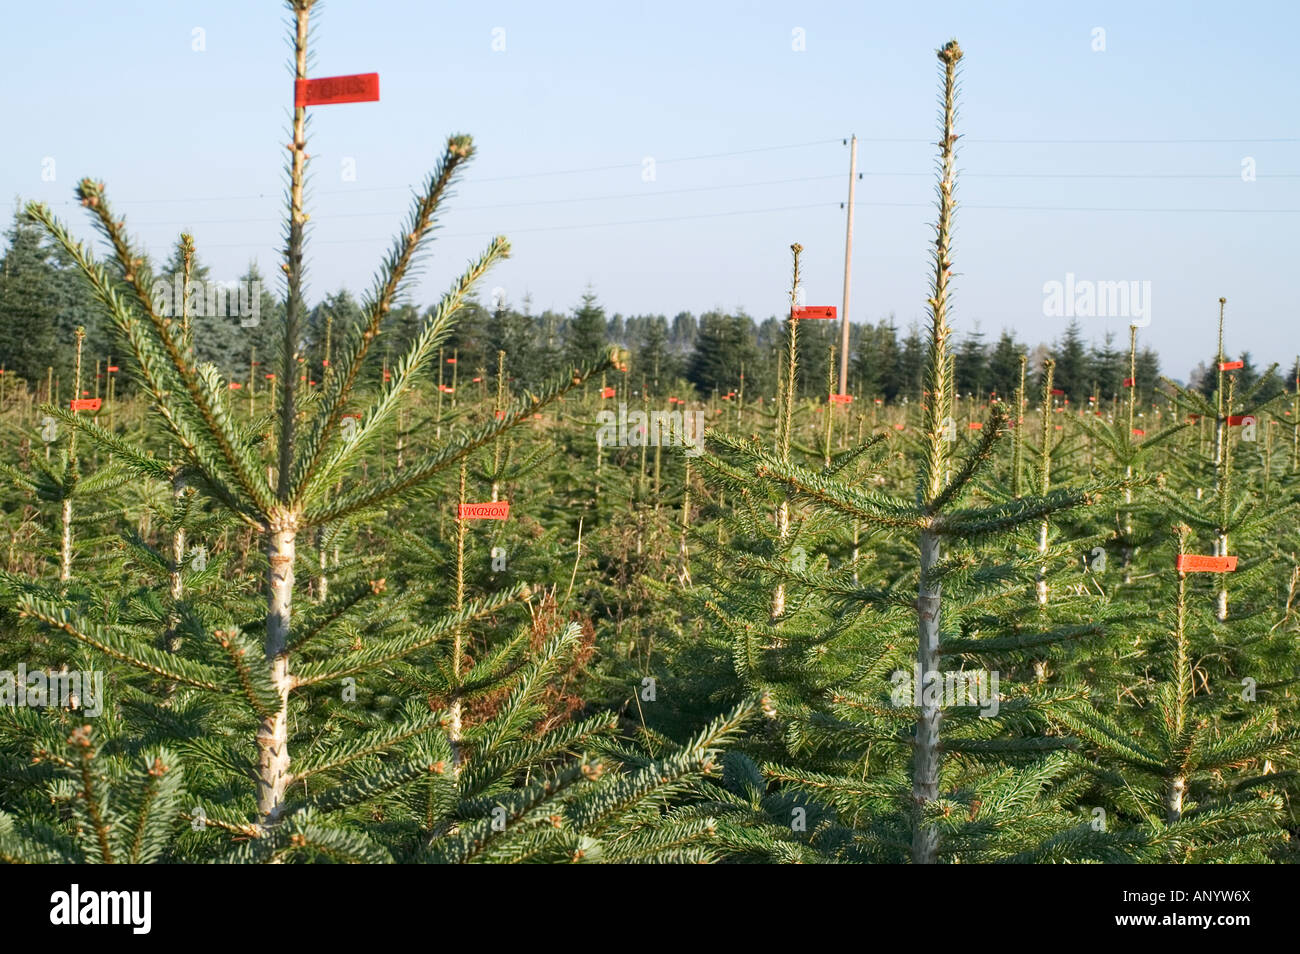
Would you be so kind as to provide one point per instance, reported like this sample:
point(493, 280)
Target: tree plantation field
point(369, 579)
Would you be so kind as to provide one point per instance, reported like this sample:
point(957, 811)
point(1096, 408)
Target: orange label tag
point(1231, 365)
point(1191, 563)
point(484, 511)
point(976, 425)
point(841, 398)
point(86, 404)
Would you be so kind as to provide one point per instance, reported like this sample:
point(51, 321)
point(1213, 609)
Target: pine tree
point(1004, 365)
point(652, 352)
point(586, 335)
point(852, 768)
point(41, 307)
point(1071, 360)
point(723, 346)
point(1185, 776)
point(971, 364)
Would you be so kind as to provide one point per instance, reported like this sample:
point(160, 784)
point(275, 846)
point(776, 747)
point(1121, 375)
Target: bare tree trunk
point(783, 534)
point(65, 545)
point(925, 752)
point(171, 642)
point(1040, 584)
point(1174, 799)
point(273, 735)
point(178, 544)
point(1221, 608)
point(683, 549)
point(1128, 527)
point(322, 591)
point(455, 727)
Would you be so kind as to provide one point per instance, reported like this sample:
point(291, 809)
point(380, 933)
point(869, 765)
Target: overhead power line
point(654, 193)
point(798, 145)
point(790, 208)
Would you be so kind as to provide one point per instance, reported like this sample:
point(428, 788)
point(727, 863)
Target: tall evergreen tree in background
point(724, 347)
point(652, 354)
point(42, 303)
point(1004, 365)
point(971, 364)
point(684, 330)
point(29, 315)
point(511, 331)
point(912, 365)
point(585, 340)
point(1107, 369)
point(1071, 356)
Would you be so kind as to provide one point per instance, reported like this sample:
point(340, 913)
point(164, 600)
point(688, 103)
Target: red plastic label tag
point(86, 404)
point(484, 511)
point(358, 88)
point(813, 311)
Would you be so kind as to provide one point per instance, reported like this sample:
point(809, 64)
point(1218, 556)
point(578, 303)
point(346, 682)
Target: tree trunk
point(1174, 799)
point(1221, 609)
point(925, 753)
point(783, 533)
point(1040, 585)
point(65, 546)
point(273, 735)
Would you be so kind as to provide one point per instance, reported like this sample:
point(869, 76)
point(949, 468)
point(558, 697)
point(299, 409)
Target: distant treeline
point(42, 302)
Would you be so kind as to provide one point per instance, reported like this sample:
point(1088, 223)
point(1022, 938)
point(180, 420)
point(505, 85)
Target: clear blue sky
point(195, 140)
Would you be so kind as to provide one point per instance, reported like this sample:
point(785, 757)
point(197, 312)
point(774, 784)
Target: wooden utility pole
point(848, 269)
